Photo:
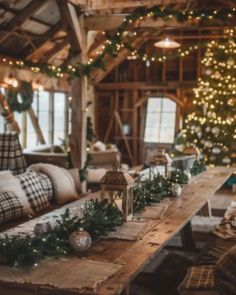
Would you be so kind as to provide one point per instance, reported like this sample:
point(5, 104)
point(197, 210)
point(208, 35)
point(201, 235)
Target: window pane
point(160, 120)
point(59, 117)
point(31, 135)
point(154, 104)
point(18, 118)
point(169, 105)
point(2, 123)
point(43, 113)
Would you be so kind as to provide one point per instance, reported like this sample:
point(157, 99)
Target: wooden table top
point(134, 255)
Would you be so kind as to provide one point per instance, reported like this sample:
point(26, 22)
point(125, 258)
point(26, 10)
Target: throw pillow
point(10, 183)
point(30, 182)
point(46, 184)
point(10, 207)
point(225, 273)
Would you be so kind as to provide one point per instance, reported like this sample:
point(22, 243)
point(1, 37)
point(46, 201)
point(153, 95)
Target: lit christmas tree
point(212, 125)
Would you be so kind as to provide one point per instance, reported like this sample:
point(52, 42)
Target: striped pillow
point(10, 207)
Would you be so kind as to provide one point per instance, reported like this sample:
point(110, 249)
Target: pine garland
point(99, 218)
point(119, 38)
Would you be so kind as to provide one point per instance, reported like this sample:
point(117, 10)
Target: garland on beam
point(118, 40)
point(99, 218)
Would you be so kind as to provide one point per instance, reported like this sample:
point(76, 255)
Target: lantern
point(161, 158)
point(117, 187)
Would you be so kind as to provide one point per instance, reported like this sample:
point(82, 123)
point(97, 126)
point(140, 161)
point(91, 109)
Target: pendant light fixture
point(167, 43)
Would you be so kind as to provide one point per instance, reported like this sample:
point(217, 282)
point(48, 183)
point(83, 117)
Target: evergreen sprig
point(100, 218)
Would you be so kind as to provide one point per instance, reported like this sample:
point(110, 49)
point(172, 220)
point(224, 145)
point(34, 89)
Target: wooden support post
point(79, 94)
point(36, 126)
point(24, 130)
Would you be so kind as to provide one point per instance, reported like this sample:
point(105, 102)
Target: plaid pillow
point(225, 272)
point(10, 207)
point(199, 278)
point(31, 184)
point(46, 185)
point(11, 157)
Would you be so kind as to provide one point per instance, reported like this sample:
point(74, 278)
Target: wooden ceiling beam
point(71, 25)
point(119, 4)
point(21, 17)
point(28, 50)
point(54, 51)
point(112, 22)
point(14, 11)
point(112, 62)
point(144, 86)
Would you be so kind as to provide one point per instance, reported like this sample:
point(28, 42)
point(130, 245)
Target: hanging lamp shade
point(167, 43)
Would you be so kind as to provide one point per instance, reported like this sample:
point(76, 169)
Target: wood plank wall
point(126, 89)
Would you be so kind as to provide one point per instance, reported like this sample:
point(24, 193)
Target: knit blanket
point(63, 184)
point(227, 228)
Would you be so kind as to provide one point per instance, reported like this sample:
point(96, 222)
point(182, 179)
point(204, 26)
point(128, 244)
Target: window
point(51, 109)
point(160, 120)
point(60, 117)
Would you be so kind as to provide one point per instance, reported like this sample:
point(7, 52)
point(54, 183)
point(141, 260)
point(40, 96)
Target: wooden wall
point(121, 98)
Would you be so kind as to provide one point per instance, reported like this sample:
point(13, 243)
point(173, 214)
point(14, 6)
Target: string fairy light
point(117, 41)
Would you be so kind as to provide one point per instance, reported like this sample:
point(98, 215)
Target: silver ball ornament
point(216, 150)
point(176, 189)
point(80, 241)
point(215, 130)
point(226, 160)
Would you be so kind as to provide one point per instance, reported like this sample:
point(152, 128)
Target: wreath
point(20, 98)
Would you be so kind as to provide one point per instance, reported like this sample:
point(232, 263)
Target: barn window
point(160, 120)
point(51, 109)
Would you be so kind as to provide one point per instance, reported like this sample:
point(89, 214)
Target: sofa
point(52, 154)
point(102, 158)
point(37, 191)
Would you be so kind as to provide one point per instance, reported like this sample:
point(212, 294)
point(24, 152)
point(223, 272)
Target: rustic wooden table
point(134, 255)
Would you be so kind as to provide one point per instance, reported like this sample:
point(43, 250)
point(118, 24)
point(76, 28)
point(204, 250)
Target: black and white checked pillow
point(30, 182)
point(10, 207)
point(46, 185)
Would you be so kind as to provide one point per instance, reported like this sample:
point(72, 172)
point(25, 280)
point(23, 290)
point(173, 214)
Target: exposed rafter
point(112, 22)
point(23, 15)
point(119, 4)
point(42, 40)
point(112, 62)
point(55, 50)
point(71, 25)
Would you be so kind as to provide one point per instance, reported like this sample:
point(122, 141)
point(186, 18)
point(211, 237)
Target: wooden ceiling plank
point(22, 16)
point(71, 25)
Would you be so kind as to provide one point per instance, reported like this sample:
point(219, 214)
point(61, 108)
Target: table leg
point(127, 290)
point(187, 237)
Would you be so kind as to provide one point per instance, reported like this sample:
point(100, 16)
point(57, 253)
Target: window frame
point(25, 117)
point(177, 116)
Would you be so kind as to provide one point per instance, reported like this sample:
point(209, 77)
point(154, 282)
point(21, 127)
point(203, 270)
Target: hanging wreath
point(21, 97)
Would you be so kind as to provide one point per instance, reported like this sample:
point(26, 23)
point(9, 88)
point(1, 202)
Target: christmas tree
point(212, 125)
